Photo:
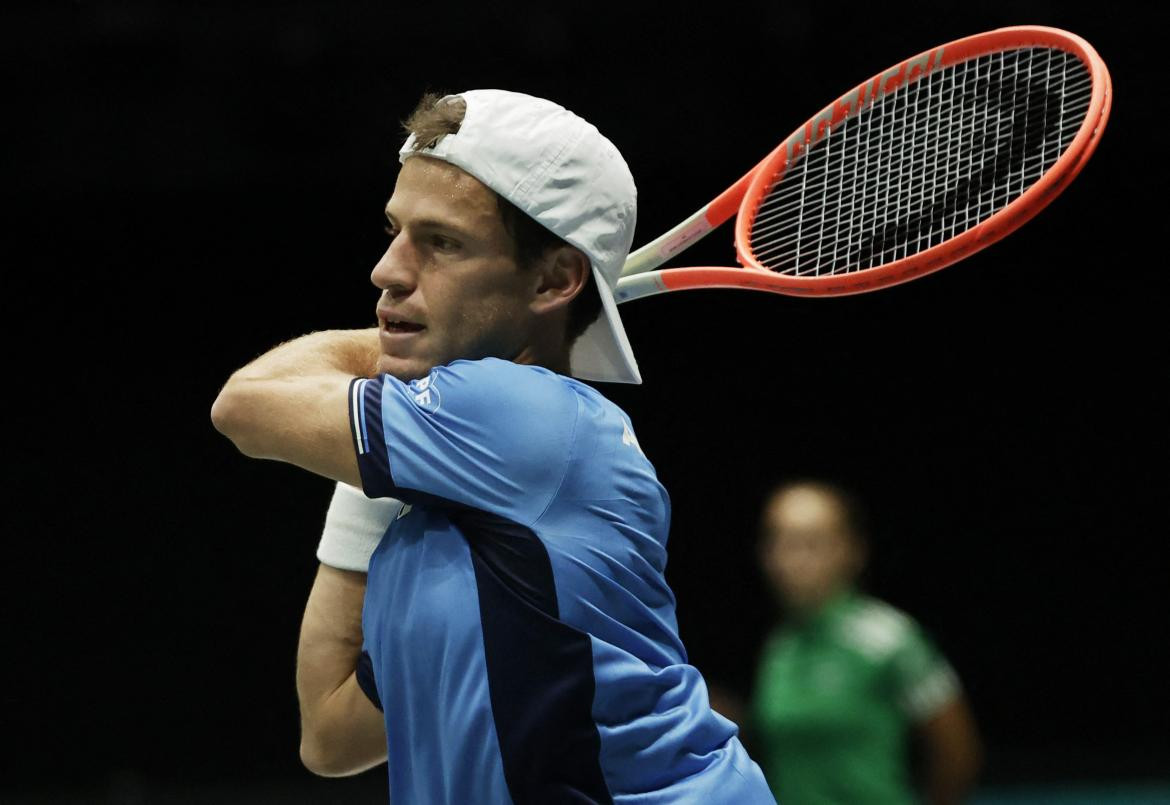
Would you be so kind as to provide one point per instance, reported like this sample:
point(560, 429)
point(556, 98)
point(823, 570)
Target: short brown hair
point(853, 513)
point(435, 118)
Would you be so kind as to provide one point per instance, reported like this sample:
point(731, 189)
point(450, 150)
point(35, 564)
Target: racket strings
point(923, 164)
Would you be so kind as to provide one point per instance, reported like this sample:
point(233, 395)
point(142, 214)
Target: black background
point(189, 185)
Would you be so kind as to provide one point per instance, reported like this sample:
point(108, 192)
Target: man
point(517, 633)
point(846, 680)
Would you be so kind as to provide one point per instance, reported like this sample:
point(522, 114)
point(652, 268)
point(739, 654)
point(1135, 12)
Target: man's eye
point(391, 231)
point(444, 243)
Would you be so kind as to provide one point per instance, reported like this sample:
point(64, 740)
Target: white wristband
point(354, 526)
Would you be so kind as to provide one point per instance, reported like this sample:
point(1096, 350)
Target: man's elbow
point(326, 758)
point(230, 416)
point(344, 736)
point(320, 762)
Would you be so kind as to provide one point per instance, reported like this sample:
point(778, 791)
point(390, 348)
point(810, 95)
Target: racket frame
point(640, 278)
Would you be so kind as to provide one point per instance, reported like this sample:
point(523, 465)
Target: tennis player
point(518, 641)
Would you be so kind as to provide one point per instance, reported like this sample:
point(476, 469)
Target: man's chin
point(405, 369)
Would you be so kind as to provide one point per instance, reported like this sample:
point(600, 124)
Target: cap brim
point(603, 352)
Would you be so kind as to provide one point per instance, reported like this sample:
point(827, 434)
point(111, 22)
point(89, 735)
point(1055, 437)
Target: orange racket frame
point(639, 277)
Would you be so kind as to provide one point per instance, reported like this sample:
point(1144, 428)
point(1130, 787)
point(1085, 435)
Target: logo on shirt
point(425, 393)
point(628, 438)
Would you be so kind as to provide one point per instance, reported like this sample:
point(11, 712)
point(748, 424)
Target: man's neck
point(555, 359)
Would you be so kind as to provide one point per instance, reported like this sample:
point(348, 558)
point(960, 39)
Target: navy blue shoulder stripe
point(369, 439)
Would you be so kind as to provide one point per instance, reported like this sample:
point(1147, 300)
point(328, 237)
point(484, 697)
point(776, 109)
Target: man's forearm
point(953, 753)
point(351, 352)
point(341, 730)
point(290, 403)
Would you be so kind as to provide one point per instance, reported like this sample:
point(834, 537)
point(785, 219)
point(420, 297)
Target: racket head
point(968, 65)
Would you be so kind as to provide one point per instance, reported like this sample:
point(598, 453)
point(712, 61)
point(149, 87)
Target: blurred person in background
point(845, 680)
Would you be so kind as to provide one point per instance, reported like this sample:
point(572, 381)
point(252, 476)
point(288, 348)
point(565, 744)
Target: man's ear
point(560, 276)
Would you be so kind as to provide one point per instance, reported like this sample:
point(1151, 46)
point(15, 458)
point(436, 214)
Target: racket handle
point(638, 286)
point(667, 245)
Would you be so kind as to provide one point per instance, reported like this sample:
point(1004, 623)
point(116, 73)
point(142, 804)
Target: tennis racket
point(920, 166)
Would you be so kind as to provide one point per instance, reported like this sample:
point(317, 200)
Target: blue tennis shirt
point(520, 636)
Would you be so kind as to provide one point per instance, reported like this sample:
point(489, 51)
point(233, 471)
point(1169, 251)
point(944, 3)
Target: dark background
point(189, 185)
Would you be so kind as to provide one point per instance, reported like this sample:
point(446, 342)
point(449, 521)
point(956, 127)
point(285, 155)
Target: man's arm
point(953, 752)
point(291, 404)
point(342, 732)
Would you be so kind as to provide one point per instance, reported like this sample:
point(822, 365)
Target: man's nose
point(397, 270)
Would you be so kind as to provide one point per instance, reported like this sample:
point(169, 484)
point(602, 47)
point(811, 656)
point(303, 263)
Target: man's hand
point(291, 404)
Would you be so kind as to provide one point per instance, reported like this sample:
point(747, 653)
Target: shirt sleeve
point(488, 434)
point(923, 680)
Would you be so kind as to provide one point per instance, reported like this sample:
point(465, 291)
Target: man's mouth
point(398, 326)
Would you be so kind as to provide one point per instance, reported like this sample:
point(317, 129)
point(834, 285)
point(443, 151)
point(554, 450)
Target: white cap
point(559, 170)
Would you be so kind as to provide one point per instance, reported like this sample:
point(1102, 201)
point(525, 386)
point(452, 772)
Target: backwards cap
point(559, 170)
